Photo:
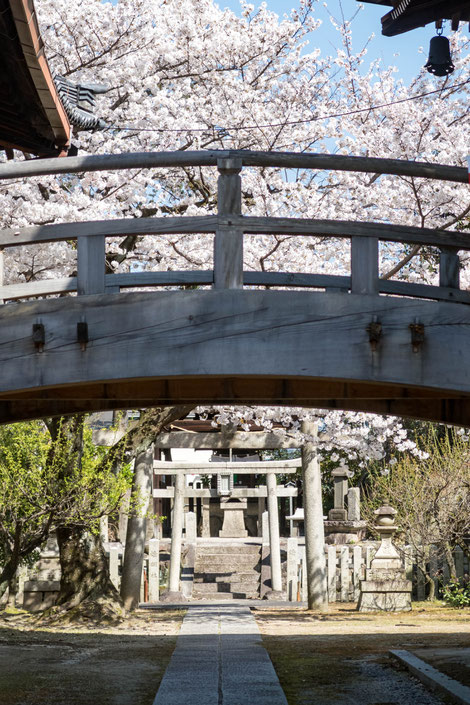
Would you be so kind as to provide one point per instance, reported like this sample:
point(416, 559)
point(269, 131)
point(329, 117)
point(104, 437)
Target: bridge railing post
point(91, 264)
point(364, 265)
point(449, 268)
point(228, 243)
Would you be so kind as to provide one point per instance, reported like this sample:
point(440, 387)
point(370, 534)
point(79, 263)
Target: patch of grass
point(300, 670)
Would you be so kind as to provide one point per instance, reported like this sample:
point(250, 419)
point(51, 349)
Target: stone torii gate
point(226, 439)
point(180, 470)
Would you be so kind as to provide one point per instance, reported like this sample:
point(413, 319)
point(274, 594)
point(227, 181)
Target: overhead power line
point(316, 118)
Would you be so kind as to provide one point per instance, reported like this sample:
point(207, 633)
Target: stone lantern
point(233, 526)
point(385, 587)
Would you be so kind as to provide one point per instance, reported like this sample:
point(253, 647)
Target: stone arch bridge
point(348, 342)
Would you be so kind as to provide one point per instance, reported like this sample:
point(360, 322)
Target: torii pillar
point(313, 522)
point(176, 537)
point(274, 541)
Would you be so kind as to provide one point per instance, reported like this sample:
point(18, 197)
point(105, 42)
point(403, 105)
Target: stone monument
point(340, 488)
point(344, 525)
point(385, 587)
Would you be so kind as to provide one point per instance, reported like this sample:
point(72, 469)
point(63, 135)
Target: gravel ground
point(341, 658)
point(372, 683)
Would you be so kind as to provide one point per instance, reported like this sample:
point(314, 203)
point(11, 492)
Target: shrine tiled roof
point(406, 15)
point(32, 117)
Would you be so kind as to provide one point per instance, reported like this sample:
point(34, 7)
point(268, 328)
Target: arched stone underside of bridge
point(310, 349)
point(355, 341)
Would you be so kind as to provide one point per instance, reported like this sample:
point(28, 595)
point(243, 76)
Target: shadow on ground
point(66, 666)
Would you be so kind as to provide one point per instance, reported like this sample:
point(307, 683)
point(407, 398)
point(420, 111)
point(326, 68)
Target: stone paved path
point(219, 660)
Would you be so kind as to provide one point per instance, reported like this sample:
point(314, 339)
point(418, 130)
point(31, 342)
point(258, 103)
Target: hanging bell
point(440, 61)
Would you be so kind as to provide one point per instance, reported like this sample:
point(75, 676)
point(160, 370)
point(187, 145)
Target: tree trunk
point(12, 590)
point(136, 531)
point(84, 568)
point(432, 587)
point(450, 561)
point(8, 573)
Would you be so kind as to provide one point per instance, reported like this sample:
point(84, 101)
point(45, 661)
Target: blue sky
point(401, 51)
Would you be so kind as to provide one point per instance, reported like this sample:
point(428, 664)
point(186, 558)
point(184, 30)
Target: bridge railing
point(230, 227)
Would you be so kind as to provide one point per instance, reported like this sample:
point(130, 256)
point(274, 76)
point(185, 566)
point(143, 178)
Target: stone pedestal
point(234, 520)
point(345, 532)
point(385, 587)
point(337, 515)
point(385, 594)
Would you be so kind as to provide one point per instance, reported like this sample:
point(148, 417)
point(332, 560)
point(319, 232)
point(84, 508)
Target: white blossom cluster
point(342, 436)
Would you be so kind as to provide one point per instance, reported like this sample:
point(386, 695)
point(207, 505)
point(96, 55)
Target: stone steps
point(210, 587)
point(229, 584)
point(233, 590)
point(199, 595)
point(209, 564)
point(248, 589)
point(224, 577)
point(246, 548)
point(227, 572)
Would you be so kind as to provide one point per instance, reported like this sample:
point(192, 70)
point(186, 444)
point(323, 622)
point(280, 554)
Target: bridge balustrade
point(230, 227)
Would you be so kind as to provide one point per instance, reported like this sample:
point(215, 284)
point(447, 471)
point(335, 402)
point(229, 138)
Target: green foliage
point(284, 454)
point(93, 483)
point(52, 479)
point(456, 593)
point(431, 494)
point(24, 480)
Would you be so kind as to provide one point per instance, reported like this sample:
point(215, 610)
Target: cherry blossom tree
point(189, 75)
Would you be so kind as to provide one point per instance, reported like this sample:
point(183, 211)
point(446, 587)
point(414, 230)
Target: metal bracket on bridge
point(82, 334)
point(375, 333)
point(417, 336)
point(39, 336)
